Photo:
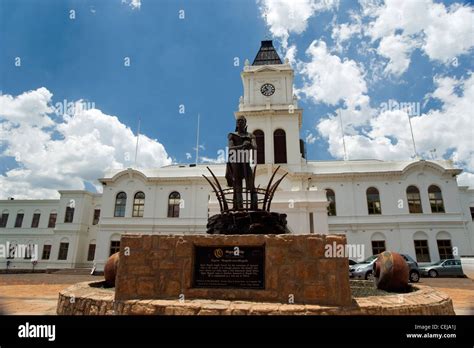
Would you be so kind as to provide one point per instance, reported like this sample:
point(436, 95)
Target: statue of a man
point(241, 145)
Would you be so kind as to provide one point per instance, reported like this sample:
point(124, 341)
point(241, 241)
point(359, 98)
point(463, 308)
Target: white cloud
point(291, 54)
point(402, 25)
point(398, 49)
point(466, 179)
point(134, 4)
point(386, 136)
point(345, 31)
point(76, 149)
point(450, 33)
point(188, 155)
point(329, 79)
point(310, 138)
point(291, 16)
point(28, 108)
point(204, 159)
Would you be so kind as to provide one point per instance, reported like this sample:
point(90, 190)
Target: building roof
point(323, 168)
point(267, 54)
point(374, 166)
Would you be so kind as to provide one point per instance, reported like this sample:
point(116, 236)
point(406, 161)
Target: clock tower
point(271, 108)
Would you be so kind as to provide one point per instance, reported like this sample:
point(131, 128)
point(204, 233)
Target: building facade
point(413, 207)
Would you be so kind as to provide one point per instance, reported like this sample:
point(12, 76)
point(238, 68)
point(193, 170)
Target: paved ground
point(35, 293)
point(461, 291)
point(38, 293)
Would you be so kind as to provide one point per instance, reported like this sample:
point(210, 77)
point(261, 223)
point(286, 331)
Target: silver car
point(364, 269)
point(443, 268)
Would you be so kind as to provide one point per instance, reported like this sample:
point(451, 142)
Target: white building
point(413, 207)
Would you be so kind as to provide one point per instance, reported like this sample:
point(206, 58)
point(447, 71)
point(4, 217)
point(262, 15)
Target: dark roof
point(266, 54)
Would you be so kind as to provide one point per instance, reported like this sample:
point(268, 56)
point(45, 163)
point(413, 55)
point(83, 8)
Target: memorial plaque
point(241, 267)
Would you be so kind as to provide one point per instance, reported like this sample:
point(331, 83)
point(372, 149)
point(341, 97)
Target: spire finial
point(268, 35)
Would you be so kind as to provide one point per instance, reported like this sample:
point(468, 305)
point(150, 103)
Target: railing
point(263, 200)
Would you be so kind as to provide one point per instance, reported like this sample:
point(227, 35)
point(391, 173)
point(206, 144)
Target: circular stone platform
point(91, 298)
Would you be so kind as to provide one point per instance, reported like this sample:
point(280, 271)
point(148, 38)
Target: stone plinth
point(89, 299)
point(296, 269)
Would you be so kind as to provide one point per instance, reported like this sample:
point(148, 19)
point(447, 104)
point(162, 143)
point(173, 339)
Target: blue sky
point(190, 62)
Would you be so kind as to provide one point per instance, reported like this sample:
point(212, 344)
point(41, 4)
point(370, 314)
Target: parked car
point(364, 269)
point(447, 268)
point(467, 264)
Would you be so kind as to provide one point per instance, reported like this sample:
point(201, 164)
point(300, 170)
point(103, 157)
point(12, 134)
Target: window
point(36, 220)
point(311, 222)
point(91, 252)
point(29, 251)
point(414, 200)
point(4, 220)
point(471, 208)
point(279, 143)
point(96, 218)
point(63, 248)
point(373, 201)
point(19, 219)
point(69, 216)
point(260, 140)
point(378, 246)
point(52, 220)
point(46, 252)
point(421, 250)
point(114, 247)
point(331, 197)
point(445, 249)
point(173, 204)
point(436, 199)
point(138, 204)
point(120, 204)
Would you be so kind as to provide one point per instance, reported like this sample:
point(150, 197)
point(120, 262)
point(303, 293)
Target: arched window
point(331, 197)
point(414, 200)
point(373, 201)
point(120, 204)
point(173, 204)
point(436, 199)
point(279, 143)
point(138, 204)
point(260, 140)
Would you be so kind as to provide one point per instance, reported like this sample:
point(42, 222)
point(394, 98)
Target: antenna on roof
point(197, 140)
point(136, 147)
point(342, 133)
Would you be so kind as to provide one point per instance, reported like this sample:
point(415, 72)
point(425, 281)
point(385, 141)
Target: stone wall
point(161, 267)
point(88, 299)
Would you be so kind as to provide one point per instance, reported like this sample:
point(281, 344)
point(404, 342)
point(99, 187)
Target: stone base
point(247, 222)
point(87, 299)
point(295, 268)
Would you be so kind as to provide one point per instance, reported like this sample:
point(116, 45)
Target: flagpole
point(342, 133)
point(197, 140)
point(412, 136)
point(136, 147)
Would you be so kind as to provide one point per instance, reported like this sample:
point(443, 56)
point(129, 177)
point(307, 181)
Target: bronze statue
point(242, 148)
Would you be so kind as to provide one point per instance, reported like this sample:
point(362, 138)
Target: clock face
point(267, 89)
